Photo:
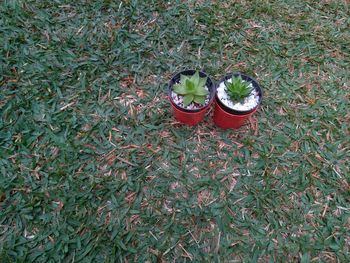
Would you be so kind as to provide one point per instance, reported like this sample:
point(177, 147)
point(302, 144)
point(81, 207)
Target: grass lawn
point(94, 168)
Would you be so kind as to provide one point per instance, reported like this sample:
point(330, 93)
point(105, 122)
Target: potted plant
point(237, 98)
point(190, 93)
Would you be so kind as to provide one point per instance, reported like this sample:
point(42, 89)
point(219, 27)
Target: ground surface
point(93, 167)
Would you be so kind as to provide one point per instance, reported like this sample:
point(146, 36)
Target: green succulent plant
point(192, 89)
point(238, 89)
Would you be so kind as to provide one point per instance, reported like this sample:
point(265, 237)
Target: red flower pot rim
point(189, 72)
point(247, 78)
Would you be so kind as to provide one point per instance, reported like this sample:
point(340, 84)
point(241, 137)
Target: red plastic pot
point(227, 118)
point(190, 117)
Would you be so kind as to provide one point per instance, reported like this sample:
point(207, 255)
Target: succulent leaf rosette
point(238, 89)
point(192, 88)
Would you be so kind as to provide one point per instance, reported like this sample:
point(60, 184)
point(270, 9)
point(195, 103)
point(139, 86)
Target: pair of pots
point(224, 117)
